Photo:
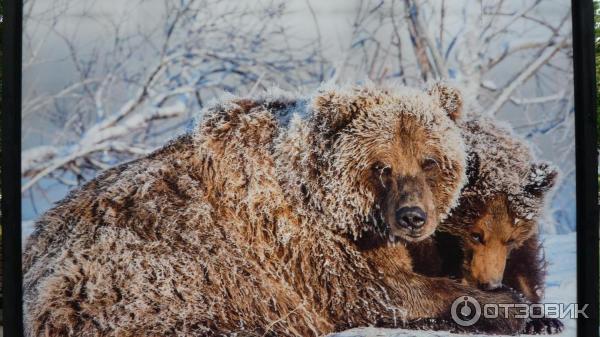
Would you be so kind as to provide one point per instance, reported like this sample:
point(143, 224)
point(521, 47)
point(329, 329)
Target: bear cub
point(490, 239)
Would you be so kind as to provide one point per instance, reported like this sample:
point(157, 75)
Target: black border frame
point(587, 163)
point(11, 167)
point(585, 151)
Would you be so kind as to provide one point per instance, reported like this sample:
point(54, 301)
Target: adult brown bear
point(255, 223)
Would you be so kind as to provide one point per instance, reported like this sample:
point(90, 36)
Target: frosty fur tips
point(490, 240)
point(251, 226)
point(503, 175)
point(501, 162)
point(498, 213)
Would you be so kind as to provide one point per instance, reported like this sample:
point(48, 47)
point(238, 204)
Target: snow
point(26, 230)
point(375, 332)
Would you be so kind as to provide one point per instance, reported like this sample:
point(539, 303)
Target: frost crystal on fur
point(505, 194)
point(500, 204)
point(501, 163)
point(256, 223)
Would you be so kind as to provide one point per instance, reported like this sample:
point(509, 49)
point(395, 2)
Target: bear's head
point(501, 203)
point(388, 162)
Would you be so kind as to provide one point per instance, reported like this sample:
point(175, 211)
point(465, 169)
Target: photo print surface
point(290, 168)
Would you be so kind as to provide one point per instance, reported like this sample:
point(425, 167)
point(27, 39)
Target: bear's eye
point(382, 169)
point(429, 164)
point(477, 237)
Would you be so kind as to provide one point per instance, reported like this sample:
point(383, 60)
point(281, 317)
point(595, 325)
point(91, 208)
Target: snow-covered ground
point(561, 285)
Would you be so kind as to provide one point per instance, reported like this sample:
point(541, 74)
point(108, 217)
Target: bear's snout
point(412, 218)
point(409, 208)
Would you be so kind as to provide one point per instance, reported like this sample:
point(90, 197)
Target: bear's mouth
point(411, 223)
point(408, 234)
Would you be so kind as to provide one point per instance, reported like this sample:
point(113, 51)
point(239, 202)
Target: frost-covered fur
point(502, 200)
point(505, 193)
point(254, 224)
point(490, 239)
point(500, 162)
point(507, 186)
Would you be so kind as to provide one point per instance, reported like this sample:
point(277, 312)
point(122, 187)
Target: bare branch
point(524, 75)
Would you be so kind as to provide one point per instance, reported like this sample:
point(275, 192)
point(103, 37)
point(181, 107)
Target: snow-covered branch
point(525, 74)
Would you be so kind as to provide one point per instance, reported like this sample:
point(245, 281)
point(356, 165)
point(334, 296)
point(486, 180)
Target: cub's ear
point(333, 108)
point(542, 177)
point(448, 97)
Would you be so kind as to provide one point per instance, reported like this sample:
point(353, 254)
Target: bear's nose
point(411, 217)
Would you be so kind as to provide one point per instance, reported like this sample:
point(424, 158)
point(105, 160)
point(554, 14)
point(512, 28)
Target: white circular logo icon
point(465, 311)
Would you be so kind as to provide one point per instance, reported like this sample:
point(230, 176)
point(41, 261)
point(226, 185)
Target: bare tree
point(146, 80)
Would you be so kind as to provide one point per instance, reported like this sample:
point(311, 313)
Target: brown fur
point(490, 240)
point(255, 227)
point(500, 206)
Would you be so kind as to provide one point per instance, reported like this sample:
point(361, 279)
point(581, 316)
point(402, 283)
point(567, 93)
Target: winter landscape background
point(106, 82)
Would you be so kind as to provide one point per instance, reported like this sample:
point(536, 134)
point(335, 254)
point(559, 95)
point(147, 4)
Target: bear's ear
point(542, 178)
point(448, 97)
point(334, 109)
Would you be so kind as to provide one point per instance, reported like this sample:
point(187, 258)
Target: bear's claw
point(543, 326)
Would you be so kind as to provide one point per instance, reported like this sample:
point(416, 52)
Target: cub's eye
point(429, 164)
point(477, 237)
point(381, 168)
point(510, 242)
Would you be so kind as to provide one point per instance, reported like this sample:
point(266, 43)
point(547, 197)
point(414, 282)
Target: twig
point(524, 75)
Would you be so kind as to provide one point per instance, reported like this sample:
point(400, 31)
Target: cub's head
point(501, 203)
point(391, 161)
